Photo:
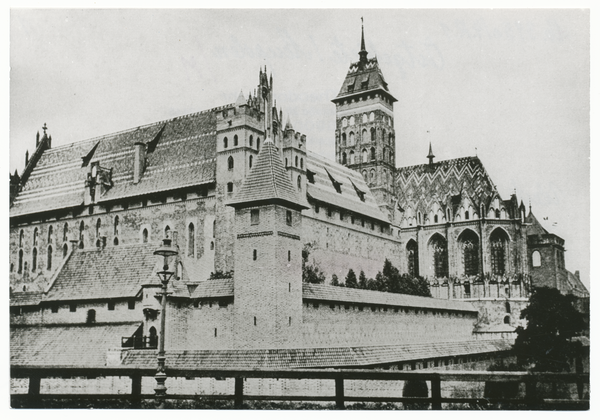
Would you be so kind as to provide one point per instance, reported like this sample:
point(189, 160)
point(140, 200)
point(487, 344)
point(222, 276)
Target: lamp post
point(166, 250)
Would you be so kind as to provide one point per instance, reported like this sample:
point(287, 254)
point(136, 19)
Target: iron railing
point(532, 399)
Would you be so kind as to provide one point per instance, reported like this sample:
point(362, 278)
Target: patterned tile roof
point(268, 181)
point(313, 357)
point(184, 155)
point(444, 183)
point(113, 272)
point(324, 191)
point(66, 345)
point(345, 294)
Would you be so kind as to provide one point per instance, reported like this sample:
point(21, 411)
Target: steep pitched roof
point(362, 78)
point(184, 155)
point(345, 294)
point(66, 345)
point(445, 181)
point(535, 227)
point(113, 272)
point(268, 182)
point(352, 184)
point(313, 357)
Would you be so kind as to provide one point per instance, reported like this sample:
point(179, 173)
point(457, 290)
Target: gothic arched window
point(365, 155)
point(50, 234)
point(372, 116)
point(352, 162)
point(167, 231)
point(230, 163)
point(373, 134)
point(470, 246)
point(343, 139)
point(251, 141)
point(81, 229)
point(351, 139)
point(49, 261)
point(35, 236)
point(439, 249)
point(299, 182)
point(98, 225)
point(250, 161)
point(372, 153)
point(116, 226)
point(225, 141)
point(235, 140)
point(301, 163)
point(145, 236)
point(383, 137)
point(412, 255)
point(364, 118)
point(536, 259)
point(65, 250)
point(191, 239)
point(296, 162)
point(20, 267)
point(65, 232)
point(21, 238)
point(498, 242)
point(364, 136)
point(34, 259)
point(344, 158)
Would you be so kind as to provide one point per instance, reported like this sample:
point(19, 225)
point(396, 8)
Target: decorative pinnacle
point(430, 156)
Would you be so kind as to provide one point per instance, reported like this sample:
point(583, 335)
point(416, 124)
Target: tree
point(311, 273)
point(335, 281)
point(351, 279)
point(546, 344)
point(362, 280)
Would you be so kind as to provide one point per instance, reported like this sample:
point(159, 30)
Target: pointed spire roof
point(241, 100)
point(430, 156)
point(363, 51)
point(268, 182)
point(288, 124)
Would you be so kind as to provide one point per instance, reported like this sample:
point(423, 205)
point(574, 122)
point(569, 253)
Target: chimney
point(139, 162)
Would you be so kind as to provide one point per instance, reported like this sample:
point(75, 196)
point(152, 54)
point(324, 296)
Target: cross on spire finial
point(44, 128)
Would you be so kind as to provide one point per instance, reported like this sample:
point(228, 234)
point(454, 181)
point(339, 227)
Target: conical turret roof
point(268, 182)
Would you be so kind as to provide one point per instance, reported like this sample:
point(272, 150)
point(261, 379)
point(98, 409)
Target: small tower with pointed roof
point(365, 138)
point(294, 156)
point(267, 255)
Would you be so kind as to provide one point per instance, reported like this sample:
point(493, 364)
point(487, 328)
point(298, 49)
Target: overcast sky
point(511, 86)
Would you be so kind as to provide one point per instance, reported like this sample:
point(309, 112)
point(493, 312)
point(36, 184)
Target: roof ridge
point(128, 130)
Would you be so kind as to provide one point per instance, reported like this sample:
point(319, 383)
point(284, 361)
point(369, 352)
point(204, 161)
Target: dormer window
point(310, 176)
point(336, 184)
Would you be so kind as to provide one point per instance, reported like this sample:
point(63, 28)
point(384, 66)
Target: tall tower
point(365, 139)
point(267, 255)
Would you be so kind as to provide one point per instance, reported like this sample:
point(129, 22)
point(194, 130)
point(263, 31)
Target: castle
point(239, 194)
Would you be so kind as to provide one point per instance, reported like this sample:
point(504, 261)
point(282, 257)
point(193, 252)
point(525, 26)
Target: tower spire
point(430, 156)
point(363, 51)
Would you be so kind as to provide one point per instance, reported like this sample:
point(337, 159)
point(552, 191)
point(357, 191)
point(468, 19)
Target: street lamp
point(166, 250)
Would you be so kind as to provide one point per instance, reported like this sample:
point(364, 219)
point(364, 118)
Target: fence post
point(33, 391)
point(530, 393)
point(436, 393)
point(239, 393)
point(136, 391)
point(339, 393)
